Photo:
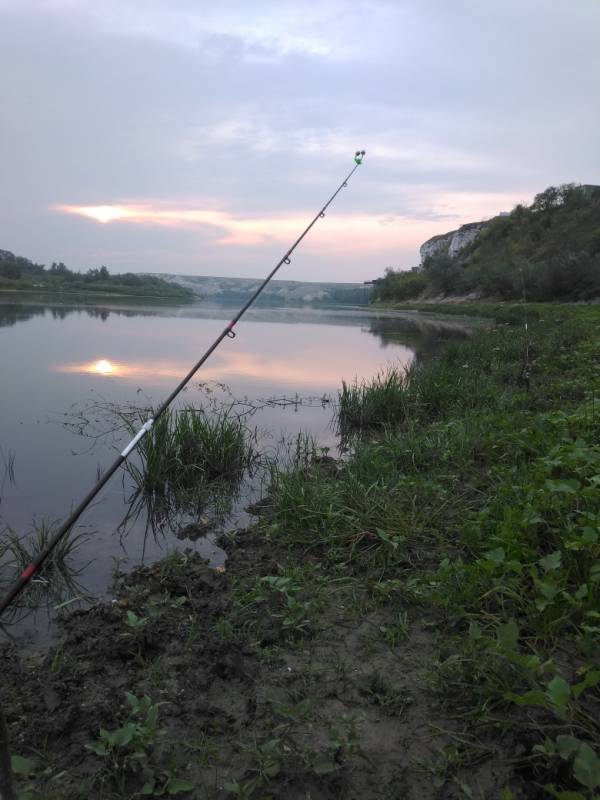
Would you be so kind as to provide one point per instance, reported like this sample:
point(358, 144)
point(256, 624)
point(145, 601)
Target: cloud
point(207, 127)
point(231, 230)
point(402, 148)
point(264, 31)
point(344, 232)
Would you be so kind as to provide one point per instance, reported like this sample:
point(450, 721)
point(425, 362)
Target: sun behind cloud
point(341, 231)
point(99, 213)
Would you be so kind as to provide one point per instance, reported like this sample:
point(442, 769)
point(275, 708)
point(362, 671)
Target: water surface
point(62, 367)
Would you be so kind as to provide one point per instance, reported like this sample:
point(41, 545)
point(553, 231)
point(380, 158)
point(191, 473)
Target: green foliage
point(28, 777)
point(399, 285)
point(135, 622)
point(165, 784)
point(464, 375)
point(266, 765)
point(281, 599)
point(548, 251)
point(128, 753)
point(396, 631)
point(585, 762)
point(373, 404)
point(187, 448)
point(446, 275)
point(17, 272)
point(135, 737)
point(480, 498)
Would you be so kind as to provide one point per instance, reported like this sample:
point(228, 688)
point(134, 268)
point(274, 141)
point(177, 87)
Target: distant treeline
point(20, 273)
point(550, 249)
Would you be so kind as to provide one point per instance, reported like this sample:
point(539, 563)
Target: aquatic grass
point(157, 452)
point(217, 444)
point(480, 373)
point(298, 452)
point(187, 448)
point(56, 582)
point(376, 403)
point(190, 467)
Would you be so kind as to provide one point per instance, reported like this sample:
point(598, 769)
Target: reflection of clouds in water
point(309, 357)
point(319, 369)
point(312, 369)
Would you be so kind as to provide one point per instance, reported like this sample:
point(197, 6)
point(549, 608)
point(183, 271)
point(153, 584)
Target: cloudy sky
point(200, 137)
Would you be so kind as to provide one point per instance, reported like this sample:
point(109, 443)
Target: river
point(65, 368)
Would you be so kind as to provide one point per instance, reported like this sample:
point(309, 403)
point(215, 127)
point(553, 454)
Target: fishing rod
point(35, 566)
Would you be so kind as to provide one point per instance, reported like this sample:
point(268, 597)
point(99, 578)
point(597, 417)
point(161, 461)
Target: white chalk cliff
point(452, 242)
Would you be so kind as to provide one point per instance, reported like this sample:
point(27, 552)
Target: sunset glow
point(235, 364)
point(345, 232)
point(99, 213)
point(104, 367)
point(115, 369)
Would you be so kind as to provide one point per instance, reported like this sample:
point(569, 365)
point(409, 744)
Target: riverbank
point(419, 621)
point(95, 296)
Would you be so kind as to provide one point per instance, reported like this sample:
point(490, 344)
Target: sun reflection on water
point(232, 366)
point(104, 367)
point(116, 369)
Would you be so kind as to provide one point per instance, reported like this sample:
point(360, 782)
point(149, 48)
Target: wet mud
point(258, 696)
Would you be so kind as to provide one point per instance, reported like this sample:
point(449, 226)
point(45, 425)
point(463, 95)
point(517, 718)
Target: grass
point(186, 448)
point(474, 374)
point(192, 464)
point(372, 404)
point(56, 583)
point(442, 578)
point(474, 495)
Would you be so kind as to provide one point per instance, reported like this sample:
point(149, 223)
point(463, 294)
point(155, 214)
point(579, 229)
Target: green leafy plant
point(266, 765)
point(24, 770)
point(135, 737)
point(134, 622)
point(128, 750)
point(396, 631)
point(165, 783)
point(585, 764)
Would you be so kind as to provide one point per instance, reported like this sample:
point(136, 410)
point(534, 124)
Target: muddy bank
point(272, 679)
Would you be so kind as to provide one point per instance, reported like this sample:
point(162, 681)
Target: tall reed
point(186, 448)
point(382, 401)
point(467, 374)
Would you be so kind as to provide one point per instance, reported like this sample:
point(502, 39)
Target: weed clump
point(56, 583)
point(377, 403)
point(186, 447)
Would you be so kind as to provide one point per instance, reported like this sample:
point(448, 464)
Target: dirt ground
point(258, 696)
